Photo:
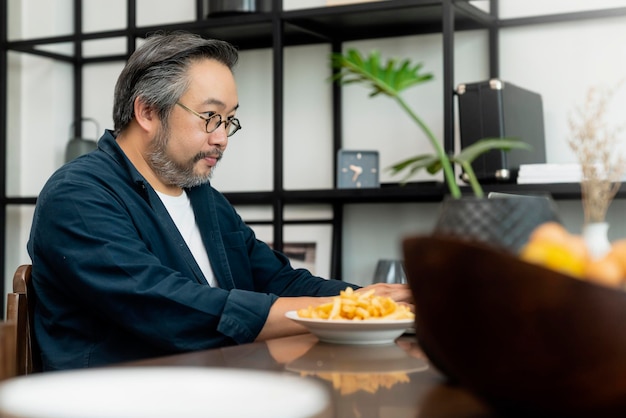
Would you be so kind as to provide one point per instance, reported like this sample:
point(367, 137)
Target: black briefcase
point(497, 109)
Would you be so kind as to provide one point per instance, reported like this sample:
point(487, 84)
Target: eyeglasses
point(214, 121)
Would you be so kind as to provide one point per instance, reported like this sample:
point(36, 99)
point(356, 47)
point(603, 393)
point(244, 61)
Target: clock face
point(357, 169)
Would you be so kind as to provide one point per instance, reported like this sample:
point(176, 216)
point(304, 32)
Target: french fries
point(360, 306)
point(349, 383)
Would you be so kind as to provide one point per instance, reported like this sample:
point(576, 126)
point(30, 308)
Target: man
point(134, 254)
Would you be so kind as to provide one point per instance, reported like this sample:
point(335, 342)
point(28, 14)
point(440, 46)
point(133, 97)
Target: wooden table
point(388, 381)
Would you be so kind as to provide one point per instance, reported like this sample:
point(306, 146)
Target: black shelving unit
point(3, 136)
point(277, 30)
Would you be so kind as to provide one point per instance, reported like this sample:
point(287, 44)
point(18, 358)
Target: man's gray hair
point(157, 72)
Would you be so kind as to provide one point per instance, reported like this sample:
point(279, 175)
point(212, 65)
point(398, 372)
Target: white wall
point(560, 61)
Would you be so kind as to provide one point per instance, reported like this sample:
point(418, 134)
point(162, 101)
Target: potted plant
point(458, 216)
point(390, 79)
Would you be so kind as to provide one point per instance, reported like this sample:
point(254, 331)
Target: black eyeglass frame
point(234, 121)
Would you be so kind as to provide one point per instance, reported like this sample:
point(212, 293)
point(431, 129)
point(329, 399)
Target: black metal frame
point(333, 25)
point(3, 137)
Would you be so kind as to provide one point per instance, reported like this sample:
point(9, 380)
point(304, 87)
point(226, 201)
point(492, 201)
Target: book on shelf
point(549, 173)
point(552, 173)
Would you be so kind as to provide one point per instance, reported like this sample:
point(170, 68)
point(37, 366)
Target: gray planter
point(504, 222)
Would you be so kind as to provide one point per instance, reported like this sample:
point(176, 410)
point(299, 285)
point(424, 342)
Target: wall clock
point(357, 169)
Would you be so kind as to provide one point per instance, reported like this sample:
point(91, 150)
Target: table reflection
point(376, 381)
point(364, 381)
point(358, 368)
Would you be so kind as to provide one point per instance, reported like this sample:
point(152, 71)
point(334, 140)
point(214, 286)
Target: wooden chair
point(20, 310)
point(8, 350)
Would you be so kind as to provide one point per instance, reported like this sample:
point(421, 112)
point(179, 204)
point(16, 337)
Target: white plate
point(163, 392)
point(373, 331)
point(346, 359)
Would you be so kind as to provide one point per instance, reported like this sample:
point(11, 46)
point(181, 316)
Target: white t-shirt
point(180, 210)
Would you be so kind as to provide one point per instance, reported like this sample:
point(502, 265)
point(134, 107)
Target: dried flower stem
point(593, 142)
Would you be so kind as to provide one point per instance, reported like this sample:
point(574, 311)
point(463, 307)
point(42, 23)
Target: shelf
point(387, 193)
point(562, 17)
point(245, 31)
point(421, 192)
point(301, 27)
point(418, 192)
point(427, 192)
point(378, 20)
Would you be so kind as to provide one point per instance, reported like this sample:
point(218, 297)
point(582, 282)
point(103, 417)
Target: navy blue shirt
point(115, 280)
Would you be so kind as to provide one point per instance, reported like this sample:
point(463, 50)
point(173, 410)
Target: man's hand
point(400, 293)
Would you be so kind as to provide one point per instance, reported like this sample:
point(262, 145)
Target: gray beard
point(174, 173)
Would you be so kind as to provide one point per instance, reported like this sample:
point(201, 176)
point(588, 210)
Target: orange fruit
point(618, 252)
point(557, 256)
point(577, 246)
point(549, 231)
point(606, 270)
point(552, 246)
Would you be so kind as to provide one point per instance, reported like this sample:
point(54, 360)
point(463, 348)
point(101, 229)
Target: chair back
point(20, 309)
point(8, 350)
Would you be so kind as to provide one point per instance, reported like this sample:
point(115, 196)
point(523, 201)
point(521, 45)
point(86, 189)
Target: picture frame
point(306, 246)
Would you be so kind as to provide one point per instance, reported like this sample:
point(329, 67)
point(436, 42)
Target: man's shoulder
point(93, 174)
point(92, 167)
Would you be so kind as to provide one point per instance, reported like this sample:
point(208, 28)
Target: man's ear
point(145, 115)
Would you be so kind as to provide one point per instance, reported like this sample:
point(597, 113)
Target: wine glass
point(389, 271)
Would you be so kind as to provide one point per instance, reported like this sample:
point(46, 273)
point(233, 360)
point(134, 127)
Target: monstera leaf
point(392, 77)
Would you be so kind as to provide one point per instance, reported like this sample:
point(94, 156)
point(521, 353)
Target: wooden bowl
point(528, 340)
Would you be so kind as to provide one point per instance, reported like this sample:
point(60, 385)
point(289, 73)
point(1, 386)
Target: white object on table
point(163, 392)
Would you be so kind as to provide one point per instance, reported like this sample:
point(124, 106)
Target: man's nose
point(218, 136)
